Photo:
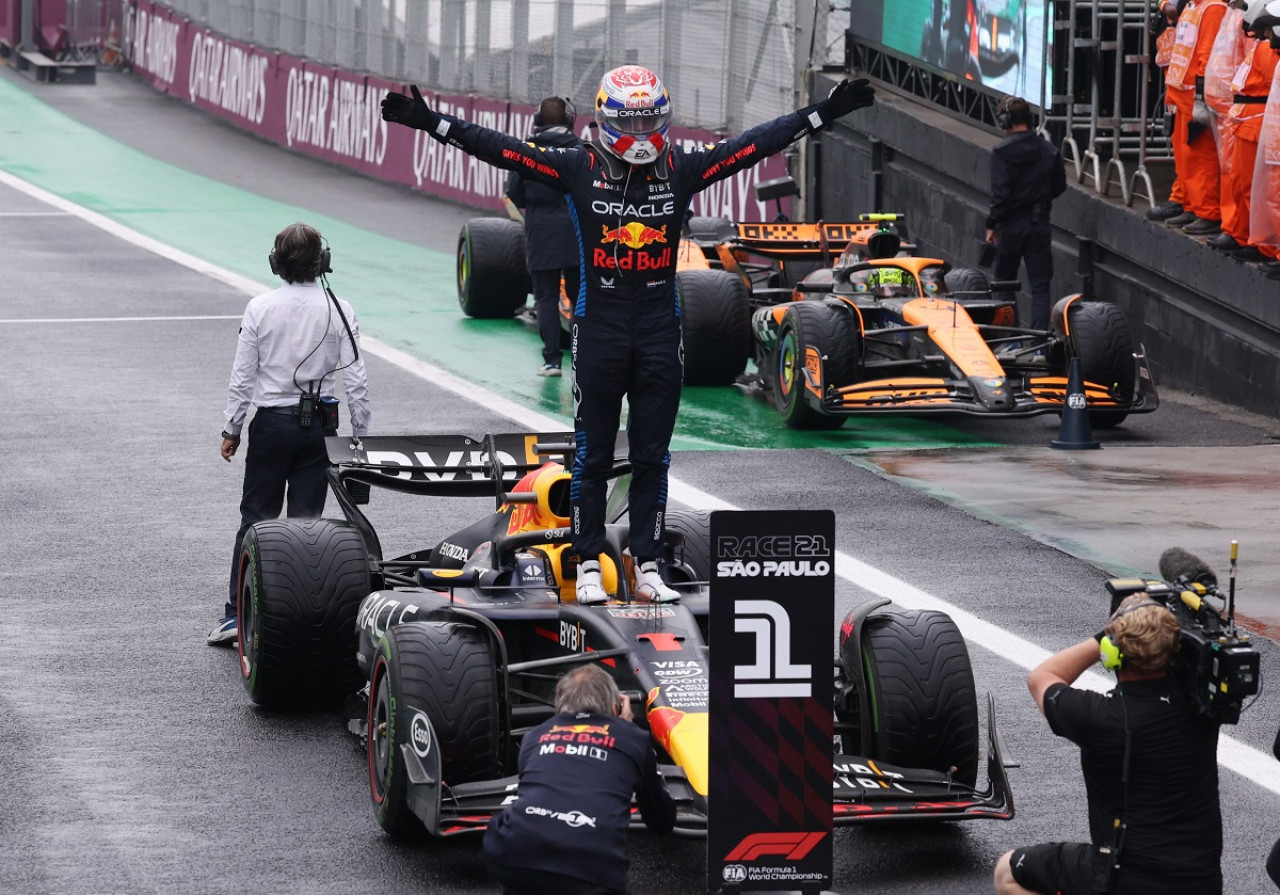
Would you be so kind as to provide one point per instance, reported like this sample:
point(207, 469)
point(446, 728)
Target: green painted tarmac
point(405, 295)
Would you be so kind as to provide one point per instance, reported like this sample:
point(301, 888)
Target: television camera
point(1219, 665)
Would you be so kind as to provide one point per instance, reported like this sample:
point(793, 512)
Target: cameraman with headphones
point(293, 340)
point(1150, 769)
point(550, 242)
point(565, 832)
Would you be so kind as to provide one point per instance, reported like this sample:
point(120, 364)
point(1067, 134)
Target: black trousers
point(279, 453)
point(519, 881)
point(631, 349)
point(546, 301)
point(1024, 242)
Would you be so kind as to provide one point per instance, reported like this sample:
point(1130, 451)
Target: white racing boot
point(650, 587)
point(590, 587)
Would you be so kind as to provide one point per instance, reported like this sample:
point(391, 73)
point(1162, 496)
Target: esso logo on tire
point(420, 735)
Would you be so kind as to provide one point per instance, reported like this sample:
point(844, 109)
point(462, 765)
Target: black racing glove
point(845, 97)
point(409, 111)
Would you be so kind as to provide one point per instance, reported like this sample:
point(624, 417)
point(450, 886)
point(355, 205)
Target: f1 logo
point(793, 846)
point(771, 625)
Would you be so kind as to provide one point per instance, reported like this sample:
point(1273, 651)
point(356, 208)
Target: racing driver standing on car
point(628, 191)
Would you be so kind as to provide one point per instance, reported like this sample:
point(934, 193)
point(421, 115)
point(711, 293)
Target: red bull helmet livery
point(633, 111)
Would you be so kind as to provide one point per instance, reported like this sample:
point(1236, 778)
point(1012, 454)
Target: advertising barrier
point(336, 115)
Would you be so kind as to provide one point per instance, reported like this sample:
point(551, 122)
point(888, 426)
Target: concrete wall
point(1210, 325)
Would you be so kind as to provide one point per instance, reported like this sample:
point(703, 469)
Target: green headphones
point(1112, 658)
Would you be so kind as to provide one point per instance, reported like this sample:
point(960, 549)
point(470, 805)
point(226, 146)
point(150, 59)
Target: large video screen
point(1001, 45)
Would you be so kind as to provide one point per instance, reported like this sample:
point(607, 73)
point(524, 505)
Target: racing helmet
point(633, 112)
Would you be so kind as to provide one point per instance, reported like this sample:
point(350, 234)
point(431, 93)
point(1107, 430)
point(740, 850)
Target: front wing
point(1029, 395)
point(864, 791)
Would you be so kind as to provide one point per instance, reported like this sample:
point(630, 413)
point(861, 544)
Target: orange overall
point(1244, 125)
point(1196, 162)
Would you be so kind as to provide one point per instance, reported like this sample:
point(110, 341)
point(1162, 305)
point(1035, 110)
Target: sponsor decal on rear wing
point(447, 458)
point(796, 241)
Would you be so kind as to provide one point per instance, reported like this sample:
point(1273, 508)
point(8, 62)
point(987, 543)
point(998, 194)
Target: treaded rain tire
point(301, 583)
point(715, 315)
point(448, 672)
point(834, 334)
point(924, 707)
point(967, 279)
point(1100, 337)
point(493, 277)
point(693, 561)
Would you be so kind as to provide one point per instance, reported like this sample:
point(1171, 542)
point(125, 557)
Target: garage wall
point(1210, 325)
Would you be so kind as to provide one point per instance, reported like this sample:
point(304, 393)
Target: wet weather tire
point(968, 280)
point(715, 314)
point(693, 556)
point(923, 703)
point(493, 278)
point(447, 673)
point(301, 583)
point(834, 334)
point(1100, 337)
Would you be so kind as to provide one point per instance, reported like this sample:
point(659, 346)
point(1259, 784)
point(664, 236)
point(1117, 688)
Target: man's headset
point(570, 113)
point(1112, 658)
point(1004, 120)
point(323, 263)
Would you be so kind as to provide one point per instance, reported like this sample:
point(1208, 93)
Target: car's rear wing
point(447, 464)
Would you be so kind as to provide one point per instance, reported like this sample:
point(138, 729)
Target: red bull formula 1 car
point(451, 651)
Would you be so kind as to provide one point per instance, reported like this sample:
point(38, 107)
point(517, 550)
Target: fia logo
point(772, 674)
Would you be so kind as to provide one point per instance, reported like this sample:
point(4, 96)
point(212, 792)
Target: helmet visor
point(638, 122)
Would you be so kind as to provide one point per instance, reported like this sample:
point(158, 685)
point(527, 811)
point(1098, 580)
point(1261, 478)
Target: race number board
point(772, 611)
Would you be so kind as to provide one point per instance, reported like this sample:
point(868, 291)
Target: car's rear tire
point(1100, 337)
point(692, 560)
point(834, 335)
point(301, 583)
point(715, 314)
point(968, 279)
point(447, 673)
point(493, 278)
point(922, 698)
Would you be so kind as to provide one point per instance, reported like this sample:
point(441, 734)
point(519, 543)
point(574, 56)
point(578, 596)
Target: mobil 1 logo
point(772, 620)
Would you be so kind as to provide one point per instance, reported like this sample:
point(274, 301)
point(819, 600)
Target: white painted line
point(1253, 764)
point(120, 319)
point(34, 214)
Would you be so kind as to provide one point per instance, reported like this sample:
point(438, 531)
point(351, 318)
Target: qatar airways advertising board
point(336, 115)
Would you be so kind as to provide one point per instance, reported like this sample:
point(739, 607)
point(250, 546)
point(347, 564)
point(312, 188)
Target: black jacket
point(573, 806)
point(1027, 174)
point(549, 239)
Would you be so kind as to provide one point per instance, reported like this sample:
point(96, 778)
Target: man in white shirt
point(293, 342)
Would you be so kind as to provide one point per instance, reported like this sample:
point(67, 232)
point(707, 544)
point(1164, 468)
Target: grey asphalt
point(133, 762)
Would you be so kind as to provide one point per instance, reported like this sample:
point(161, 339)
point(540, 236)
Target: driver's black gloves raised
point(844, 98)
point(410, 111)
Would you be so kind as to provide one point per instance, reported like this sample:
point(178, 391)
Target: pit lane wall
point(335, 115)
point(1210, 325)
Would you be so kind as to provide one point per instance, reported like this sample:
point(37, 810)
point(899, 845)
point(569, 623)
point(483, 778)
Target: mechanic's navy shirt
point(577, 775)
point(550, 241)
point(1170, 805)
point(628, 217)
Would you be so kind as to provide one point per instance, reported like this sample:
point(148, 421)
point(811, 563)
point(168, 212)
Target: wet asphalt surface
point(134, 763)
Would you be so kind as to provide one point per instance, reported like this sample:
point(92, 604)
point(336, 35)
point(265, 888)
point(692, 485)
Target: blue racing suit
point(626, 338)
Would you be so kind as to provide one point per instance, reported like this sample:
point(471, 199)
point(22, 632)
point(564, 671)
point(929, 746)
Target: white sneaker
point(650, 587)
point(590, 587)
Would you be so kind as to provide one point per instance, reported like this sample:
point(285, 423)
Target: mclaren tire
point(443, 673)
point(834, 334)
point(301, 583)
point(1100, 337)
point(715, 314)
point(968, 280)
point(493, 278)
point(922, 698)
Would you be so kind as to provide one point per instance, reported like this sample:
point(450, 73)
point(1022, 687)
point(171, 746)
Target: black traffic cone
point(1075, 434)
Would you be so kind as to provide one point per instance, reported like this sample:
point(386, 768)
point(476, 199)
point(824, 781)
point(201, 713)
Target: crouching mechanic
point(628, 191)
point(565, 834)
point(1150, 769)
